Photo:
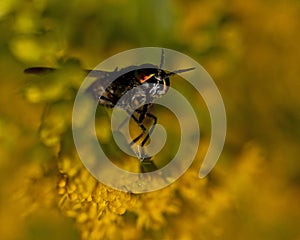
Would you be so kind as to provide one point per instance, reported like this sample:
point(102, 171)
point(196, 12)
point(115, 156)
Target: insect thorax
point(129, 91)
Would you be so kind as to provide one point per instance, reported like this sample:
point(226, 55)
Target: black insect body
point(145, 83)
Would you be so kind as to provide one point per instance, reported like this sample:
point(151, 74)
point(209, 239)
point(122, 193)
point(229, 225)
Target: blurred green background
point(251, 50)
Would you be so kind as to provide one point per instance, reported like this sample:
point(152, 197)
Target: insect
point(147, 83)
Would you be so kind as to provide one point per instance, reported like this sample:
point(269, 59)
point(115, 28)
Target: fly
point(148, 83)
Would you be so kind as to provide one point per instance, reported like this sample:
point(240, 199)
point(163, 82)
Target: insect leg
point(144, 113)
point(135, 119)
point(106, 102)
point(146, 163)
point(137, 138)
point(142, 128)
point(140, 119)
point(151, 128)
point(123, 123)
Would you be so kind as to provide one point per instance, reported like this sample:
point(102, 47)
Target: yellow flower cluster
point(102, 212)
point(251, 50)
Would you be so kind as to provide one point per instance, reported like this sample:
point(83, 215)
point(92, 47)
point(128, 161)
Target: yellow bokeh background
point(251, 50)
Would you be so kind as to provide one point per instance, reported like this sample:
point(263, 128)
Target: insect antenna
point(180, 71)
point(162, 60)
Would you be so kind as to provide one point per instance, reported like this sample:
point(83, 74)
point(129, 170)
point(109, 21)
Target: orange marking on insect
point(143, 78)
